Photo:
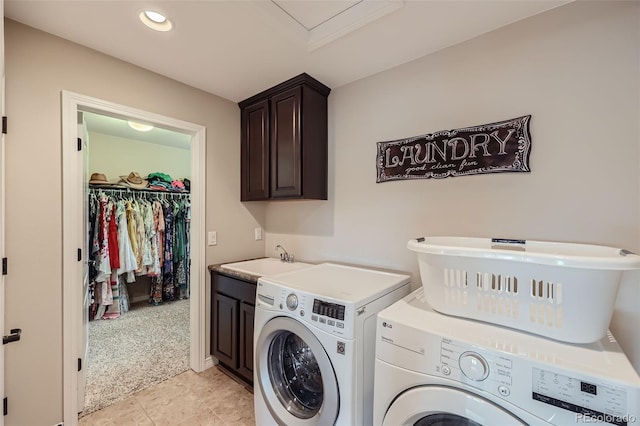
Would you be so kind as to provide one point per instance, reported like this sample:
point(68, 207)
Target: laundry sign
point(489, 148)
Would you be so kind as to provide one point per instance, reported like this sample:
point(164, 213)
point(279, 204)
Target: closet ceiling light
point(155, 21)
point(139, 126)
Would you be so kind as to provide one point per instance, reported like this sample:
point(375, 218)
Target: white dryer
point(314, 343)
point(433, 369)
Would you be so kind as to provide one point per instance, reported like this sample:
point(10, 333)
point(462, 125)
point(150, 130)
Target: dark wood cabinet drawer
point(242, 290)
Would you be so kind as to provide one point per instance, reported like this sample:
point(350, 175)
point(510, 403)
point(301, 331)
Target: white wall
point(38, 67)
point(575, 69)
point(115, 156)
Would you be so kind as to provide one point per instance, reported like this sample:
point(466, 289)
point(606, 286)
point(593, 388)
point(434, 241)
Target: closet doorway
point(78, 111)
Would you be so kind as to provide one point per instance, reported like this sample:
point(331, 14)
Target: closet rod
point(134, 191)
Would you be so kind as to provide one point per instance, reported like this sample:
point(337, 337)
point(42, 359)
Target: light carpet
point(145, 346)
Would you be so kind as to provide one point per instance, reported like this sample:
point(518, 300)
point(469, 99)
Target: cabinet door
point(246, 341)
point(254, 163)
point(285, 144)
point(224, 323)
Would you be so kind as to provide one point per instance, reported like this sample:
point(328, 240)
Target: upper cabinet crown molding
point(298, 80)
point(284, 141)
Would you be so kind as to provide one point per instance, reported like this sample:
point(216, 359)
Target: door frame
point(72, 238)
point(2, 201)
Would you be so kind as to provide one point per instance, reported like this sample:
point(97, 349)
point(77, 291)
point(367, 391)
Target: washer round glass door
point(439, 406)
point(295, 374)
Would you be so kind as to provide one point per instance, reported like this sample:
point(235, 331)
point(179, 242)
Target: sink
point(265, 266)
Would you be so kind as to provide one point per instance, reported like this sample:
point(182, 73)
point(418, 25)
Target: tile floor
point(193, 399)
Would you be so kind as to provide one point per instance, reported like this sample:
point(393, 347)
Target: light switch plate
point(258, 233)
point(212, 238)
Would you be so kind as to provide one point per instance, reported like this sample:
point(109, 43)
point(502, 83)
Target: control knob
point(292, 301)
point(474, 366)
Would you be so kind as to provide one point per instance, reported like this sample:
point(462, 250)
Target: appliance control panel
point(329, 316)
point(461, 362)
point(589, 399)
point(503, 375)
point(324, 314)
point(328, 309)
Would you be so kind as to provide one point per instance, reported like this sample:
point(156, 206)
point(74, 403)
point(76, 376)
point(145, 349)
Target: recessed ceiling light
point(139, 126)
point(155, 16)
point(155, 20)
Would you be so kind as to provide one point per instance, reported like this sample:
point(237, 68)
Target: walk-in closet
point(137, 226)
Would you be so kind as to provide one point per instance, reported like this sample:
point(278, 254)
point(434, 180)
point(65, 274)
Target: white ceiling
point(237, 48)
point(114, 126)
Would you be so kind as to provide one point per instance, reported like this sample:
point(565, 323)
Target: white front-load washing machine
point(314, 343)
point(433, 369)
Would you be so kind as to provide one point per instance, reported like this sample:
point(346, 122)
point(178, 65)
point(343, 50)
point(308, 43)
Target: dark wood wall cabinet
point(284, 142)
point(232, 311)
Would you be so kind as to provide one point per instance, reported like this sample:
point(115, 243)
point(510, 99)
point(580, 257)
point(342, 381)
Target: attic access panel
point(319, 22)
point(311, 14)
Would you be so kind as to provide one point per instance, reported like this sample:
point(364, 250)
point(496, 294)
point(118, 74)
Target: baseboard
point(209, 362)
point(139, 299)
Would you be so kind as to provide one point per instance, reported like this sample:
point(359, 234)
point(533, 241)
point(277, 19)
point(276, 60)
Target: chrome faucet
point(285, 257)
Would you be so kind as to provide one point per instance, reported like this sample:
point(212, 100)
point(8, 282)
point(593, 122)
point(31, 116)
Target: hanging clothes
point(114, 250)
point(146, 211)
point(131, 229)
point(180, 251)
point(101, 245)
point(139, 237)
point(135, 234)
point(168, 285)
point(128, 262)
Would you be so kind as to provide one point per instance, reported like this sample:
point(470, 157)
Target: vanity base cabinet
point(232, 312)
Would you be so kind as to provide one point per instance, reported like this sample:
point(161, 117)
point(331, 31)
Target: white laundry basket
point(559, 290)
